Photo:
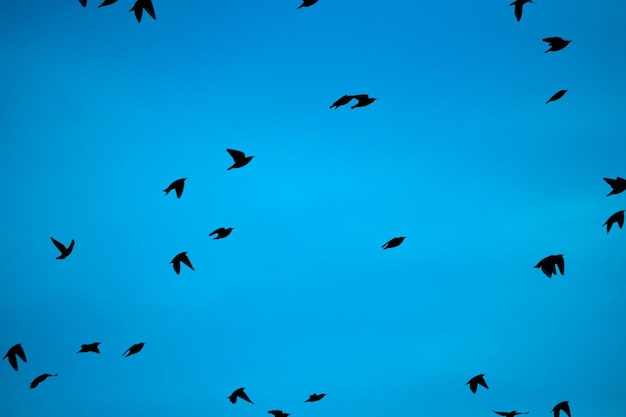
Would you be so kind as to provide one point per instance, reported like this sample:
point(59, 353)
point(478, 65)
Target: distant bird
point(617, 217)
point(181, 257)
point(136, 348)
point(556, 96)
point(65, 252)
point(13, 353)
point(548, 265)
point(239, 158)
point(83, 2)
point(314, 397)
point(519, 5)
point(342, 101)
point(364, 100)
point(618, 185)
point(107, 3)
point(278, 413)
point(91, 347)
point(562, 406)
point(177, 185)
point(307, 3)
point(509, 413)
point(140, 6)
point(396, 241)
point(40, 379)
point(221, 233)
point(478, 379)
point(556, 43)
point(238, 393)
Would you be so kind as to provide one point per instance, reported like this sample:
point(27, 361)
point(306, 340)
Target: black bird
point(341, 101)
point(618, 185)
point(562, 406)
point(307, 3)
point(107, 3)
point(396, 241)
point(13, 353)
point(65, 252)
point(519, 5)
point(239, 393)
point(140, 6)
point(548, 265)
point(364, 100)
point(83, 2)
point(181, 257)
point(278, 413)
point(509, 413)
point(239, 158)
point(177, 185)
point(478, 379)
point(221, 233)
point(136, 348)
point(40, 379)
point(617, 217)
point(556, 96)
point(314, 397)
point(91, 347)
point(556, 43)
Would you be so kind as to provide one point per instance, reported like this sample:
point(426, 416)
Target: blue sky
point(459, 153)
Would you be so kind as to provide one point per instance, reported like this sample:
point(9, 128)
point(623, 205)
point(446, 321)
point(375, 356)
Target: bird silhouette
point(278, 413)
point(91, 347)
point(617, 217)
point(314, 397)
point(556, 43)
point(509, 413)
point(519, 6)
point(478, 379)
point(221, 233)
point(40, 379)
point(549, 264)
point(140, 6)
point(13, 353)
point(396, 241)
point(65, 252)
point(562, 406)
point(618, 185)
point(181, 257)
point(556, 96)
point(177, 185)
point(307, 3)
point(240, 159)
point(83, 2)
point(136, 348)
point(238, 393)
point(107, 3)
point(341, 101)
point(364, 100)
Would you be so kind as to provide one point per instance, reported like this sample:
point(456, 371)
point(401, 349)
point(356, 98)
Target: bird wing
point(502, 413)
point(560, 262)
point(138, 11)
point(179, 190)
point(19, 351)
point(473, 386)
point(12, 360)
point(60, 246)
point(236, 155)
point(216, 231)
point(244, 396)
point(552, 39)
point(36, 381)
point(71, 246)
point(186, 261)
point(565, 408)
point(148, 7)
point(482, 382)
point(519, 7)
point(361, 97)
point(83, 3)
point(620, 219)
point(176, 265)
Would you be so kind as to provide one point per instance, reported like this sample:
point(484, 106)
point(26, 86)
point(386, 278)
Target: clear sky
point(459, 153)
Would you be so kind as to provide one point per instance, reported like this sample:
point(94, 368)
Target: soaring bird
point(314, 397)
point(238, 393)
point(40, 379)
point(562, 406)
point(307, 3)
point(556, 96)
point(556, 43)
point(136, 348)
point(221, 233)
point(364, 100)
point(91, 347)
point(177, 185)
point(618, 185)
point(509, 413)
point(181, 257)
point(65, 252)
point(519, 5)
point(341, 101)
point(13, 353)
point(240, 159)
point(617, 217)
point(478, 379)
point(396, 241)
point(83, 2)
point(549, 264)
point(140, 6)
point(107, 3)
point(278, 413)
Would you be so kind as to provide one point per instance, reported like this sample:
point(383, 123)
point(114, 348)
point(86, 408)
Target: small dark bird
point(314, 397)
point(278, 413)
point(562, 406)
point(239, 393)
point(140, 6)
point(509, 413)
point(548, 265)
point(341, 101)
point(519, 6)
point(364, 100)
point(13, 353)
point(107, 3)
point(91, 347)
point(307, 3)
point(221, 233)
point(83, 2)
point(40, 379)
point(556, 43)
point(478, 379)
point(136, 348)
point(556, 96)
point(177, 185)
point(617, 217)
point(618, 185)
point(239, 158)
point(181, 257)
point(396, 241)
point(65, 252)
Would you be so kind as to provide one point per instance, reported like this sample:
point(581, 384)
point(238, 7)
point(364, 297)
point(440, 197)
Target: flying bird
point(478, 379)
point(278, 413)
point(140, 6)
point(136, 348)
point(238, 393)
point(240, 159)
point(314, 397)
point(83, 2)
point(549, 264)
point(396, 241)
point(562, 406)
point(519, 6)
point(341, 101)
point(556, 43)
point(307, 3)
point(181, 257)
point(90, 347)
point(107, 3)
point(618, 185)
point(615, 218)
point(40, 379)
point(177, 185)
point(13, 353)
point(221, 233)
point(556, 96)
point(509, 413)
point(65, 252)
point(364, 100)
